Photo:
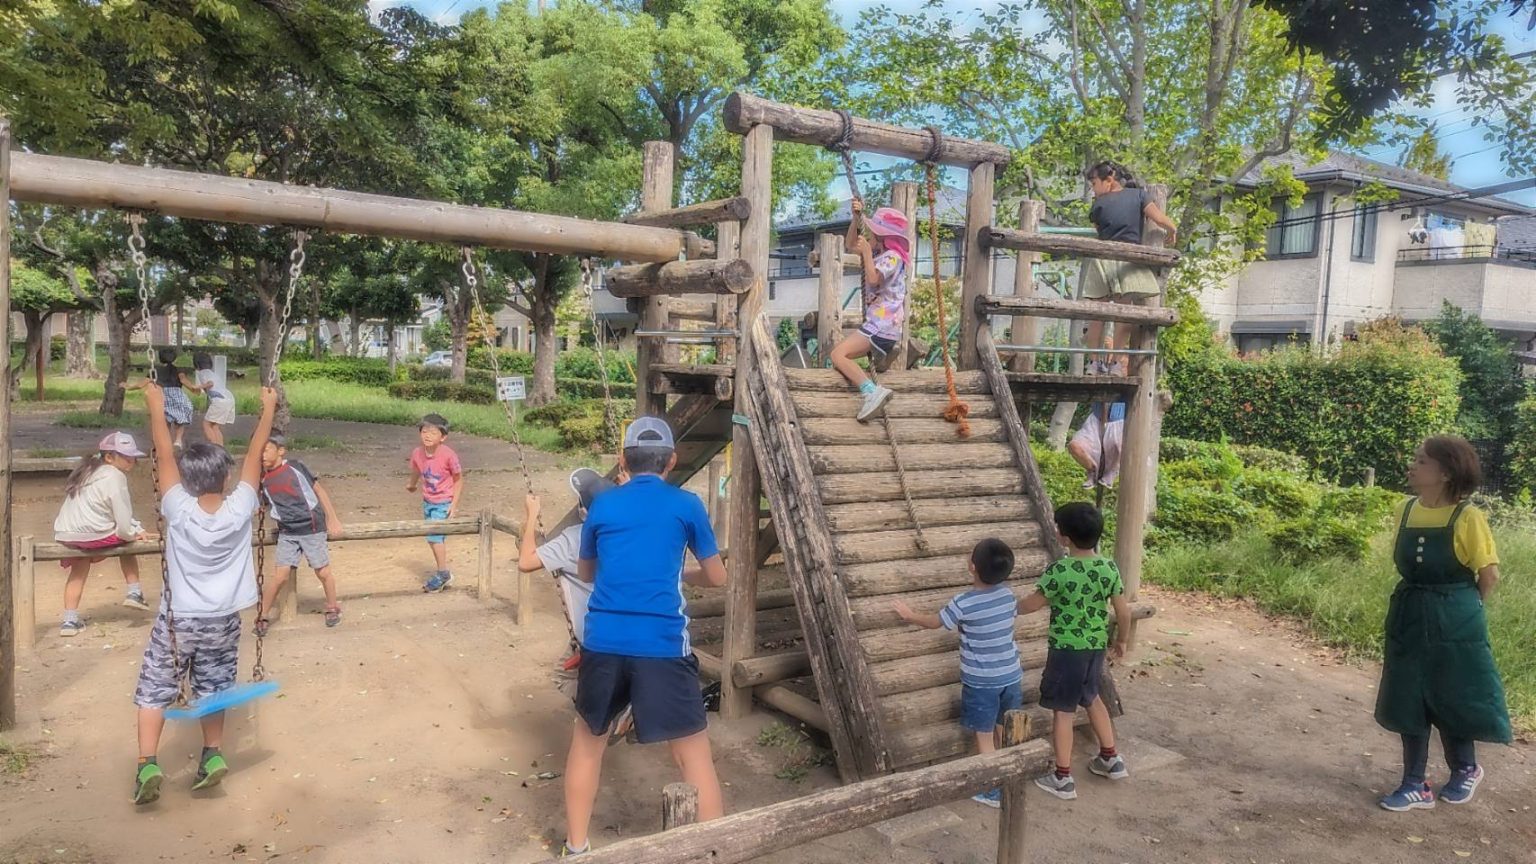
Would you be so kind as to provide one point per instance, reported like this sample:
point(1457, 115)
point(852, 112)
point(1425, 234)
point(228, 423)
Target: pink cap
point(121, 443)
point(887, 222)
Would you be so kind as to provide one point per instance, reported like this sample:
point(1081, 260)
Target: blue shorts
point(883, 344)
point(664, 691)
point(1071, 678)
point(982, 708)
point(433, 511)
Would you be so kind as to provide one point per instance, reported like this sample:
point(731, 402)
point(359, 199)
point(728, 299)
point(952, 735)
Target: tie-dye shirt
point(885, 305)
point(438, 472)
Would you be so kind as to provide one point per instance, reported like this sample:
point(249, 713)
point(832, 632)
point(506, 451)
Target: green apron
point(1438, 667)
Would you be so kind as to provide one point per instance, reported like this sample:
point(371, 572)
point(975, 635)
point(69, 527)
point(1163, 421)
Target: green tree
point(1491, 386)
point(1422, 154)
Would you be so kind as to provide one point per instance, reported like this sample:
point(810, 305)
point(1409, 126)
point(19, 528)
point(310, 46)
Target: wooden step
point(886, 488)
point(1051, 387)
point(928, 574)
point(875, 611)
point(1067, 246)
point(934, 670)
point(1077, 310)
point(970, 383)
point(871, 546)
point(895, 643)
point(712, 603)
point(932, 512)
point(942, 704)
point(818, 403)
point(862, 458)
point(825, 431)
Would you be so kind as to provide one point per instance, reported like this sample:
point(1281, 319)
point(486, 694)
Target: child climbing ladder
point(884, 267)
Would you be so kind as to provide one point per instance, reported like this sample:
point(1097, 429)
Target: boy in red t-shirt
point(435, 467)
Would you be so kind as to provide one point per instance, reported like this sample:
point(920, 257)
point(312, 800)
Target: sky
point(1476, 162)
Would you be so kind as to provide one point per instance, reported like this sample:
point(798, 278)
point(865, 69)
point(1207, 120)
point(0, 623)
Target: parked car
point(443, 359)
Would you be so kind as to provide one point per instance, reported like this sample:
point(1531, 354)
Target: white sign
point(511, 389)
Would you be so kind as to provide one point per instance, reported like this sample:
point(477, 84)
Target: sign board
point(221, 371)
point(511, 389)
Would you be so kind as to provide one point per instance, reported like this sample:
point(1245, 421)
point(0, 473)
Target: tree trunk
point(272, 335)
point(354, 335)
point(456, 305)
point(36, 348)
point(119, 328)
point(80, 345)
point(545, 349)
point(389, 346)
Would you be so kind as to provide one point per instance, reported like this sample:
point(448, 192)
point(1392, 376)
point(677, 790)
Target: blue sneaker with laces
point(1410, 796)
point(1462, 785)
point(992, 798)
point(438, 582)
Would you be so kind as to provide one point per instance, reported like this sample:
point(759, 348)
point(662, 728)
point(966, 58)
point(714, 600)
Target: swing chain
point(472, 283)
point(296, 260)
point(136, 247)
point(610, 423)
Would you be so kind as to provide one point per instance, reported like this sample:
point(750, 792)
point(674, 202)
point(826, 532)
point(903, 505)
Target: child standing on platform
point(1438, 669)
point(210, 577)
point(1079, 589)
point(98, 514)
point(436, 469)
point(884, 266)
point(305, 517)
point(1120, 205)
point(991, 679)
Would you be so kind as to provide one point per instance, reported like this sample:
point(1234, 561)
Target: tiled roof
point(1517, 232)
point(1339, 161)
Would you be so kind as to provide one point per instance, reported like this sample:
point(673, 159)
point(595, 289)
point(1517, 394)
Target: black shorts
point(1071, 678)
point(881, 343)
point(665, 693)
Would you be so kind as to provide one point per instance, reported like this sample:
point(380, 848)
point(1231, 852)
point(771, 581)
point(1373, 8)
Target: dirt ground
point(417, 730)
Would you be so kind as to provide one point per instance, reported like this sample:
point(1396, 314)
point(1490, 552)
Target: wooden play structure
point(857, 515)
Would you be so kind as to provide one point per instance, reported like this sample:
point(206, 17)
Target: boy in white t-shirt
point(561, 553)
point(210, 578)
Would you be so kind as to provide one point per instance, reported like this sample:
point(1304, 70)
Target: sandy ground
point(416, 730)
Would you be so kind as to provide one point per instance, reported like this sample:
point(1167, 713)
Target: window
point(1254, 343)
point(773, 290)
point(1294, 234)
point(1363, 246)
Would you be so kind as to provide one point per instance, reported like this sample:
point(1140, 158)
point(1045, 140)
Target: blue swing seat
point(223, 700)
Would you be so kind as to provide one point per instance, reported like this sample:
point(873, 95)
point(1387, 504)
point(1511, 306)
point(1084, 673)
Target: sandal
point(333, 616)
point(261, 627)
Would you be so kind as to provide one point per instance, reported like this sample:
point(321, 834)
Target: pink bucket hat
point(121, 443)
point(887, 222)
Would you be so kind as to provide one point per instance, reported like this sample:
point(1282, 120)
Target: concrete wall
point(1420, 288)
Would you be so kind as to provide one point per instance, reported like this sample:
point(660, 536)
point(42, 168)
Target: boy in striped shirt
point(991, 679)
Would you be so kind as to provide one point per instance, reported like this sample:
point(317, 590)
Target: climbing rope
point(956, 411)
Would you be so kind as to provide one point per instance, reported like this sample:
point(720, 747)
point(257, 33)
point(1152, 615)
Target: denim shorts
point(434, 511)
point(664, 692)
point(982, 708)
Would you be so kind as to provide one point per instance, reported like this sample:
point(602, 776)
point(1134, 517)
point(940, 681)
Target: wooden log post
point(781, 698)
point(976, 279)
point(487, 561)
point(703, 276)
point(703, 213)
point(679, 805)
point(7, 572)
point(1137, 469)
point(746, 486)
point(289, 598)
point(727, 248)
point(1069, 246)
point(904, 198)
point(1011, 823)
point(645, 283)
point(1025, 330)
point(829, 297)
point(26, 593)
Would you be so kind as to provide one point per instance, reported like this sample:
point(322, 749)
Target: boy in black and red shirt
point(305, 517)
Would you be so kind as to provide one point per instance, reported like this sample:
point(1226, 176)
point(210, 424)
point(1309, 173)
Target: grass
point(1345, 603)
point(68, 390)
point(48, 453)
point(800, 754)
point(15, 759)
point(295, 443)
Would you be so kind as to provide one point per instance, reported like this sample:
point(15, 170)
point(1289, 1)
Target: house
point(1333, 262)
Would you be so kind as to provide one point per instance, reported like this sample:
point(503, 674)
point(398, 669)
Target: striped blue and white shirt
point(984, 618)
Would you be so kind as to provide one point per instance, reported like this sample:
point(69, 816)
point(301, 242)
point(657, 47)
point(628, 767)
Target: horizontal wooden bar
point(861, 458)
point(1006, 348)
point(685, 379)
point(926, 574)
point(851, 262)
point(1078, 310)
point(824, 128)
point(507, 526)
point(1052, 387)
point(689, 309)
point(921, 744)
point(703, 213)
point(702, 276)
point(1078, 247)
point(970, 383)
point(860, 488)
point(789, 824)
point(827, 403)
point(44, 464)
point(88, 183)
point(779, 697)
point(354, 531)
point(768, 668)
point(907, 430)
point(713, 605)
point(871, 546)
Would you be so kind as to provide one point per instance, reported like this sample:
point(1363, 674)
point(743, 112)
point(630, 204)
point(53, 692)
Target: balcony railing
point(1481, 251)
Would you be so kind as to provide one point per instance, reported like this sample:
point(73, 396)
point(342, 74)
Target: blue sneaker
point(992, 798)
point(1460, 788)
point(438, 582)
point(1410, 796)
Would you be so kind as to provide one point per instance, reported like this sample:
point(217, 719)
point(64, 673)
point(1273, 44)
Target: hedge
point(449, 391)
point(569, 363)
point(351, 370)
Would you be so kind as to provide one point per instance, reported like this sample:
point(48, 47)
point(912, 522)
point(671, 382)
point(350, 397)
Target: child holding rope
point(210, 578)
point(561, 554)
point(173, 384)
point(305, 517)
point(1438, 669)
point(97, 515)
point(1119, 206)
point(636, 647)
point(884, 266)
point(437, 470)
point(221, 403)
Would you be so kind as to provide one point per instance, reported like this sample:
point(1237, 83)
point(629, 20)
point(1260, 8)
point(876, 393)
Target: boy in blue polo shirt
point(636, 650)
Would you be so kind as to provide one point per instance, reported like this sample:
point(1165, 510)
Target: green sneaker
point(211, 773)
point(146, 784)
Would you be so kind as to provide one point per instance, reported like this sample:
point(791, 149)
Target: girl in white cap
point(98, 514)
point(885, 266)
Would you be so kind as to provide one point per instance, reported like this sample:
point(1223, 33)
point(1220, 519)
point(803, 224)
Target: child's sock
point(1108, 753)
point(584, 847)
point(1063, 772)
point(208, 752)
point(147, 760)
point(136, 590)
point(867, 387)
point(71, 616)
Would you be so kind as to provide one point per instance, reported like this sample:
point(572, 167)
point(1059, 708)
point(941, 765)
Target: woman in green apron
point(1438, 668)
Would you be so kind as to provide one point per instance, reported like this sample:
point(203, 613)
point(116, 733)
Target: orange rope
point(956, 411)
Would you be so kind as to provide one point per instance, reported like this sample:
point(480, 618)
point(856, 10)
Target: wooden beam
point(1054, 387)
point(713, 605)
point(909, 431)
point(679, 383)
point(679, 805)
point(1018, 436)
point(790, 824)
point(486, 561)
point(1023, 329)
point(829, 297)
point(1011, 824)
point(703, 276)
point(24, 581)
point(851, 263)
point(7, 574)
point(688, 216)
point(728, 239)
point(355, 531)
point(1088, 310)
point(1068, 246)
point(102, 185)
point(866, 580)
point(863, 459)
point(813, 403)
point(807, 711)
point(688, 309)
point(44, 465)
point(769, 668)
point(910, 381)
point(658, 163)
point(824, 128)
point(862, 488)
point(976, 275)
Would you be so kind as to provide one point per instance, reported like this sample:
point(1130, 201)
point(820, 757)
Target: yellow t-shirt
point(1474, 539)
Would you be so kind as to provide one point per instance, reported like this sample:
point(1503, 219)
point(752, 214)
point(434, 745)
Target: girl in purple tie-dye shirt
point(885, 265)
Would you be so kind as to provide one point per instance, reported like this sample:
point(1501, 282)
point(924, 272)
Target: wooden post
point(290, 598)
point(7, 598)
point(1138, 471)
point(486, 562)
point(679, 805)
point(976, 279)
point(1011, 823)
point(26, 593)
point(525, 593)
point(655, 194)
point(829, 295)
point(746, 486)
point(904, 198)
point(727, 245)
point(1026, 330)
point(1370, 477)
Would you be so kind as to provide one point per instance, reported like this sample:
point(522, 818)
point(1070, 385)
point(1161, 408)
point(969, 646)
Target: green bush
point(1282, 494)
point(510, 362)
point(352, 370)
point(1370, 505)
point(1196, 514)
point(583, 427)
point(450, 391)
point(1367, 406)
point(582, 363)
point(1174, 449)
point(1316, 538)
point(477, 377)
point(591, 388)
point(1522, 446)
point(555, 413)
point(1265, 459)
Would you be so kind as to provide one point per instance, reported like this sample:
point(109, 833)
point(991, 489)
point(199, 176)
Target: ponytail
point(1108, 169)
point(83, 472)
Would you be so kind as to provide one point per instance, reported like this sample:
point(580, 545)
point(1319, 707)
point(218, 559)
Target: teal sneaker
point(211, 772)
point(146, 783)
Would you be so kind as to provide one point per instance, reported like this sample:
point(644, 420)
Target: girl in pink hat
point(97, 515)
point(885, 265)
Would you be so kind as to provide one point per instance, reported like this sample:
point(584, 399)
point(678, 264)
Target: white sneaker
point(1114, 768)
point(1064, 788)
point(874, 401)
point(71, 628)
point(135, 600)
